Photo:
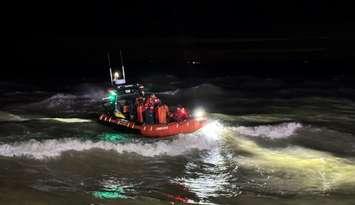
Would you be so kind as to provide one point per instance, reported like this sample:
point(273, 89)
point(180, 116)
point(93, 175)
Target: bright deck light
point(116, 75)
point(199, 113)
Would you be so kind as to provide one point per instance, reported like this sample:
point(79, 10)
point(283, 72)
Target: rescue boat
point(121, 93)
point(157, 130)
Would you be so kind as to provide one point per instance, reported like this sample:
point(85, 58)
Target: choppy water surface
point(254, 150)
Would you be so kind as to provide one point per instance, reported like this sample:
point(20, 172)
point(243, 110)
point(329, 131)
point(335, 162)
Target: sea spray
point(283, 130)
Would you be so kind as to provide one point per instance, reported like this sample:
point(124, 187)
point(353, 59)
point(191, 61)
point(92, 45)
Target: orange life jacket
point(161, 114)
point(140, 113)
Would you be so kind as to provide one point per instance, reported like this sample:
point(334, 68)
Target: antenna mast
point(109, 65)
point(123, 71)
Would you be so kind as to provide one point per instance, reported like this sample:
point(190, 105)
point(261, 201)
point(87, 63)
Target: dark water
point(264, 144)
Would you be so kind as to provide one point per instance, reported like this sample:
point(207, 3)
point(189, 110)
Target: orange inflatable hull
point(157, 130)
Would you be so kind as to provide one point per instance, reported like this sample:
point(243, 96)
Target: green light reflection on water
point(112, 192)
point(112, 137)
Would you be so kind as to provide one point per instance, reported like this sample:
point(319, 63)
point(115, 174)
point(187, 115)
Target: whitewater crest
point(55, 147)
point(278, 131)
point(65, 103)
point(201, 90)
point(66, 120)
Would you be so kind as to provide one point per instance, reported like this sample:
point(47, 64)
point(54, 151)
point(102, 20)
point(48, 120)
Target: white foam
point(283, 130)
point(55, 147)
point(67, 120)
point(61, 96)
point(56, 101)
point(170, 92)
point(204, 89)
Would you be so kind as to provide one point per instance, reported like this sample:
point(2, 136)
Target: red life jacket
point(181, 114)
point(148, 104)
point(155, 101)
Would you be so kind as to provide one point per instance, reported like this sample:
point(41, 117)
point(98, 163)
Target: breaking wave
point(66, 103)
point(88, 99)
point(56, 101)
point(170, 92)
point(204, 89)
point(67, 120)
point(206, 138)
point(200, 90)
point(55, 147)
point(283, 130)
point(8, 117)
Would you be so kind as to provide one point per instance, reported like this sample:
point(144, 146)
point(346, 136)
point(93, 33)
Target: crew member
point(141, 90)
point(132, 110)
point(154, 100)
point(181, 114)
point(125, 110)
point(147, 101)
point(149, 115)
point(149, 106)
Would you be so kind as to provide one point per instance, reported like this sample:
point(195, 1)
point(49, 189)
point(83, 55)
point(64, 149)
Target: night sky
point(61, 40)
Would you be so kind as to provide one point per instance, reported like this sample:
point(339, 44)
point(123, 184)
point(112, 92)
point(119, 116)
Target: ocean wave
point(200, 90)
point(8, 117)
point(307, 170)
point(282, 130)
point(205, 88)
point(55, 147)
point(65, 103)
point(66, 120)
point(170, 92)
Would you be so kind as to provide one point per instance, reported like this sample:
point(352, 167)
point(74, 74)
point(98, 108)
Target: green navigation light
point(113, 92)
point(112, 96)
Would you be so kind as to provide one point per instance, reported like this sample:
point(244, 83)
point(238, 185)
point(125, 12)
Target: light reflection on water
point(208, 178)
point(112, 137)
point(214, 174)
point(215, 164)
point(111, 189)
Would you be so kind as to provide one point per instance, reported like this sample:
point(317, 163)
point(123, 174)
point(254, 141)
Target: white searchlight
point(199, 113)
point(116, 75)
